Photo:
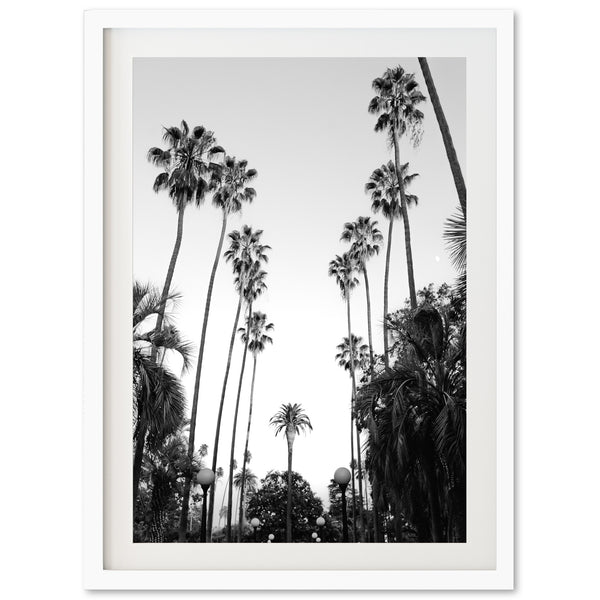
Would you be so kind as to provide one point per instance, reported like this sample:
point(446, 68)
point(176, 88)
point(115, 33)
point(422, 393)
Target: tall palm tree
point(255, 286)
point(187, 173)
point(246, 254)
point(343, 269)
point(159, 398)
point(291, 419)
point(384, 191)
point(459, 182)
point(365, 240)
point(232, 191)
point(257, 331)
point(396, 101)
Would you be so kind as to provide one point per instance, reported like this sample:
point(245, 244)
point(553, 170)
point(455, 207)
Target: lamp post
point(205, 478)
point(342, 477)
point(255, 525)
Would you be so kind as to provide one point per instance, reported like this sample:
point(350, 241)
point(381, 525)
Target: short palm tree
point(343, 269)
point(384, 191)
point(232, 190)
point(257, 330)
point(292, 420)
point(457, 175)
point(255, 286)
point(365, 240)
point(244, 480)
point(159, 398)
point(246, 254)
point(395, 103)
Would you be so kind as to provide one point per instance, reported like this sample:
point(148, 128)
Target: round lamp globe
point(205, 477)
point(342, 476)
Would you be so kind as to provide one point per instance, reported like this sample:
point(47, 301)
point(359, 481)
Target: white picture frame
point(96, 575)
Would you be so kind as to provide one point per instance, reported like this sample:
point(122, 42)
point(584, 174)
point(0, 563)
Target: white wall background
point(41, 250)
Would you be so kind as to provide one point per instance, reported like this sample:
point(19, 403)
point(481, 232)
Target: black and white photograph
point(299, 300)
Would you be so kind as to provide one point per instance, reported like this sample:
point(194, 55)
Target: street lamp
point(271, 537)
point(342, 478)
point(320, 522)
point(205, 478)
point(315, 535)
point(318, 540)
point(255, 524)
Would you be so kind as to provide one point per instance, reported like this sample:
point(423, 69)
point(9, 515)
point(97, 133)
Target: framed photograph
point(294, 378)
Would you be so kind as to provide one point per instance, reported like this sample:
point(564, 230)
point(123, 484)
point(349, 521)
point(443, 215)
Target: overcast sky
point(303, 124)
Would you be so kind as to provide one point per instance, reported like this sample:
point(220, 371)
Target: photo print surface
point(299, 300)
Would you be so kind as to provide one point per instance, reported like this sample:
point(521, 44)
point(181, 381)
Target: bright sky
point(303, 124)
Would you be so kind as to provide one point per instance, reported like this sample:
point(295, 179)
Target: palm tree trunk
point(404, 210)
point(360, 484)
point(288, 514)
point(234, 429)
point(352, 462)
point(220, 416)
point(143, 429)
point(246, 445)
point(432, 495)
point(188, 477)
point(368, 293)
point(375, 492)
point(138, 457)
point(459, 181)
point(353, 378)
point(386, 279)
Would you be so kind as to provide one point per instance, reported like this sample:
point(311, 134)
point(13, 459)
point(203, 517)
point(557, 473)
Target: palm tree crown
point(256, 332)
point(188, 171)
point(365, 238)
point(290, 417)
point(360, 354)
point(343, 268)
point(233, 190)
point(397, 96)
point(385, 192)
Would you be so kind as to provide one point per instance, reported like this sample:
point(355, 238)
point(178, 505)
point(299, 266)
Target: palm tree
point(417, 415)
point(292, 419)
point(187, 173)
point(232, 191)
point(365, 240)
point(255, 286)
point(343, 269)
point(256, 331)
point(244, 479)
point(246, 254)
point(159, 398)
point(396, 100)
point(384, 191)
point(457, 175)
